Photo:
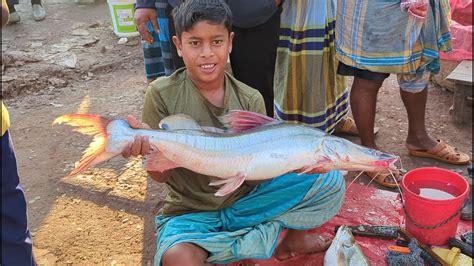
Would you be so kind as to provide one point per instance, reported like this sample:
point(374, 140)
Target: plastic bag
point(461, 31)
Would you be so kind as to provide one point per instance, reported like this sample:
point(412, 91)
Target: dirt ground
point(71, 62)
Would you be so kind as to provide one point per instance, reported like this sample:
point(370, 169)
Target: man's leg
point(414, 94)
point(176, 60)
point(415, 105)
point(363, 99)
point(185, 254)
point(253, 57)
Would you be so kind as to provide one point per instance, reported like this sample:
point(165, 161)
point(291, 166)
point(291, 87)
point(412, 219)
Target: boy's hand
point(142, 16)
point(141, 145)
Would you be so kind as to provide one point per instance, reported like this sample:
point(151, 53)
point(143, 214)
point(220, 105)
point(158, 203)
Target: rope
point(431, 226)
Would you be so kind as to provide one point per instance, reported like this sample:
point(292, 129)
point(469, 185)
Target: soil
point(71, 62)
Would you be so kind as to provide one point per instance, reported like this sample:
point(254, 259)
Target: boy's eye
point(217, 41)
point(194, 43)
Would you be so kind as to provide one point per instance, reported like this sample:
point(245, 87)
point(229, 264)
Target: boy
point(256, 25)
point(194, 226)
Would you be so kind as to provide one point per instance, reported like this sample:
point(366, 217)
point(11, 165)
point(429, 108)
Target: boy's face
point(205, 49)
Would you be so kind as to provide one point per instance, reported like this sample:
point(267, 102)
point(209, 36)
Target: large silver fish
point(344, 250)
point(254, 147)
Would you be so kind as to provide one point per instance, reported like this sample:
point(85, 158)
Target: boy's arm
point(257, 104)
point(141, 146)
point(153, 111)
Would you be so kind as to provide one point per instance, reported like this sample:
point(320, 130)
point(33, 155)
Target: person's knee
point(337, 185)
point(184, 254)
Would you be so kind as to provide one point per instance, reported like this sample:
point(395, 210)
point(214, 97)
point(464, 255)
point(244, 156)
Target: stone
point(122, 41)
point(80, 32)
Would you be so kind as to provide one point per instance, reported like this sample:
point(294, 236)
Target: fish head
point(344, 241)
point(341, 154)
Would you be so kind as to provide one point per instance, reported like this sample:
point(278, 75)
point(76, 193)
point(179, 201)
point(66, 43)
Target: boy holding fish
point(195, 227)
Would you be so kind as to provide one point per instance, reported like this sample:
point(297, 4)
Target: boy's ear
point(177, 43)
point(231, 40)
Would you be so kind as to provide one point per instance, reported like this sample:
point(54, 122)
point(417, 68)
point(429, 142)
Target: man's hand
point(142, 16)
point(419, 11)
point(141, 145)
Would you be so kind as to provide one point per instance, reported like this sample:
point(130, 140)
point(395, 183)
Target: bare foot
point(305, 244)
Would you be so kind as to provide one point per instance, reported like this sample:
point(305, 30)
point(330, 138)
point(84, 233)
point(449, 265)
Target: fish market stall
point(364, 204)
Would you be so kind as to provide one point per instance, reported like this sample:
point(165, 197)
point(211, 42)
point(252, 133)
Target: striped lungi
point(307, 89)
point(379, 36)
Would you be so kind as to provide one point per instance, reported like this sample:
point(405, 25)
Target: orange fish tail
point(93, 125)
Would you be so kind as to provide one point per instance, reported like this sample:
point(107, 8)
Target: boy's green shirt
point(176, 94)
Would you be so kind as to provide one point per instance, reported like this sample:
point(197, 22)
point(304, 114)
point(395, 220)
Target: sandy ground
point(71, 62)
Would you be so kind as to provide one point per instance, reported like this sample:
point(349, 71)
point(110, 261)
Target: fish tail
point(93, 125)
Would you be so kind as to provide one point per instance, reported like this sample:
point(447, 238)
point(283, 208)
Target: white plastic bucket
point(122, 12)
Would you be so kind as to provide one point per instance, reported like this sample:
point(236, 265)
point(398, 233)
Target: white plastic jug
point(122, 12)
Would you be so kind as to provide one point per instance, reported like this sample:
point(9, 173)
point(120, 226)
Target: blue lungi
point(250, 227)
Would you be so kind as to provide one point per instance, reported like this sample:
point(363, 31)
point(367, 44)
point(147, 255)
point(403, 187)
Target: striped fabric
point(251, 226)
point(307, 89)
point(378, 36)
point(157, 55)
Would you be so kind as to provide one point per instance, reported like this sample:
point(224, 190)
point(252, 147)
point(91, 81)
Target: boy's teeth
point(207, 66)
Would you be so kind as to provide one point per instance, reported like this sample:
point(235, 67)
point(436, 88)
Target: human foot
point(440, 151)
point(14, 18)
point(307, 244)
point(38, 12)
point(347, 126)
point(385, 178)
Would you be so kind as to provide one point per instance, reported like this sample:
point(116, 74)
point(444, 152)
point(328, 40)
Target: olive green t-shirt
point(176, 94)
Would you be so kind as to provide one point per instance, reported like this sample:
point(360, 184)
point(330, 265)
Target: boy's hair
point(190, 12)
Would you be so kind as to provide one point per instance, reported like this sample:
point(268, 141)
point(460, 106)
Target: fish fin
point(312, 168)
point(182, 122)
point(93, 125)
point(219, 182)
point(214, 130)
point(239, 121)
point(230, 185)
point(179, 121)
point(156, 161)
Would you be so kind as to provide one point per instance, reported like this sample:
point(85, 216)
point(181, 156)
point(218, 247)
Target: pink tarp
point(362, 205)
point(461, 31)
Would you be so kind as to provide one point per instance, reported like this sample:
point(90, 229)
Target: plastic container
point(122, 12)
point(433, 221)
